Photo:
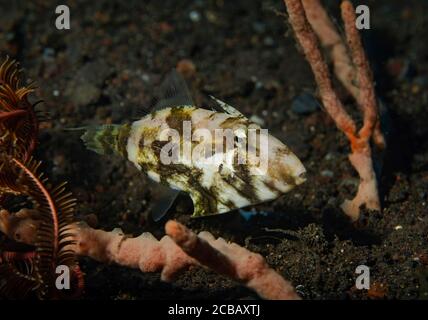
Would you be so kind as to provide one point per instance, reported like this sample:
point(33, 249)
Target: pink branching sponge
point(232, 260)
point(310, 22)
point(178, 250)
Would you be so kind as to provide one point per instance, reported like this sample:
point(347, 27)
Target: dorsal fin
point(173, 92)
point(227, 108)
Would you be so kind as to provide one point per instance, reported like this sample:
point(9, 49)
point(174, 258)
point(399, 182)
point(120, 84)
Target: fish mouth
point(296, 169)
point(300, 178)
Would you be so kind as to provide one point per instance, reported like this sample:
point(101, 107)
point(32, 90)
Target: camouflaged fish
point(217, 186)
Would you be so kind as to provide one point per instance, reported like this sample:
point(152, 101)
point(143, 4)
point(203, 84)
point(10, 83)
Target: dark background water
point(106, 68)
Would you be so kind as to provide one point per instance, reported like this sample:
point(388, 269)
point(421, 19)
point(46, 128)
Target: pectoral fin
point(165, 198)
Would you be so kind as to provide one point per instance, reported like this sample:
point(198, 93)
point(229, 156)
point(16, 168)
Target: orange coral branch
point(353, 72)
point(300, 11)
point(309, 45)
point(365, 96)
point(176, 251)
point(332, 42)
point(232, 260)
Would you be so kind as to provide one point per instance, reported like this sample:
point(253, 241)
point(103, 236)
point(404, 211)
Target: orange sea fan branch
point(304, 17)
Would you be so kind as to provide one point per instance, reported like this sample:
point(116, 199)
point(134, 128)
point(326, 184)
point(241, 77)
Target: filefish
point(216, 186)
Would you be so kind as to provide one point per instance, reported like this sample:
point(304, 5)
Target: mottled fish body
point(215, 186)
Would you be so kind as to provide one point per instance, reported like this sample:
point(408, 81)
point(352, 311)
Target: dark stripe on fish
point(141, 142)
point(247, 188)
point(122, 140)
point(231, 122)
point(207, 202)
point(177, 116)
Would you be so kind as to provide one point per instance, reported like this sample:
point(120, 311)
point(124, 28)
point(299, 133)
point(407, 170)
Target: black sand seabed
point(105, 70)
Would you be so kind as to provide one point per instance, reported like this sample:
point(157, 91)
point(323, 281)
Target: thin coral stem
point(331, 41)
point(366, 97)
point(353, 72)
point(309, 44)
point(360, 157)
point(378, 136)
point(367, 193)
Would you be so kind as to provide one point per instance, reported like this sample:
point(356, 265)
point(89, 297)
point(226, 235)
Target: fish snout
point(300, 177)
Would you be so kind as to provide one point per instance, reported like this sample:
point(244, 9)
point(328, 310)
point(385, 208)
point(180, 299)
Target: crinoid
point(18, 118)
point(17, 274)
point(36, 270)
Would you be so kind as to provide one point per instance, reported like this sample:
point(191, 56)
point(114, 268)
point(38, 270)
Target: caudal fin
point(107, 139)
